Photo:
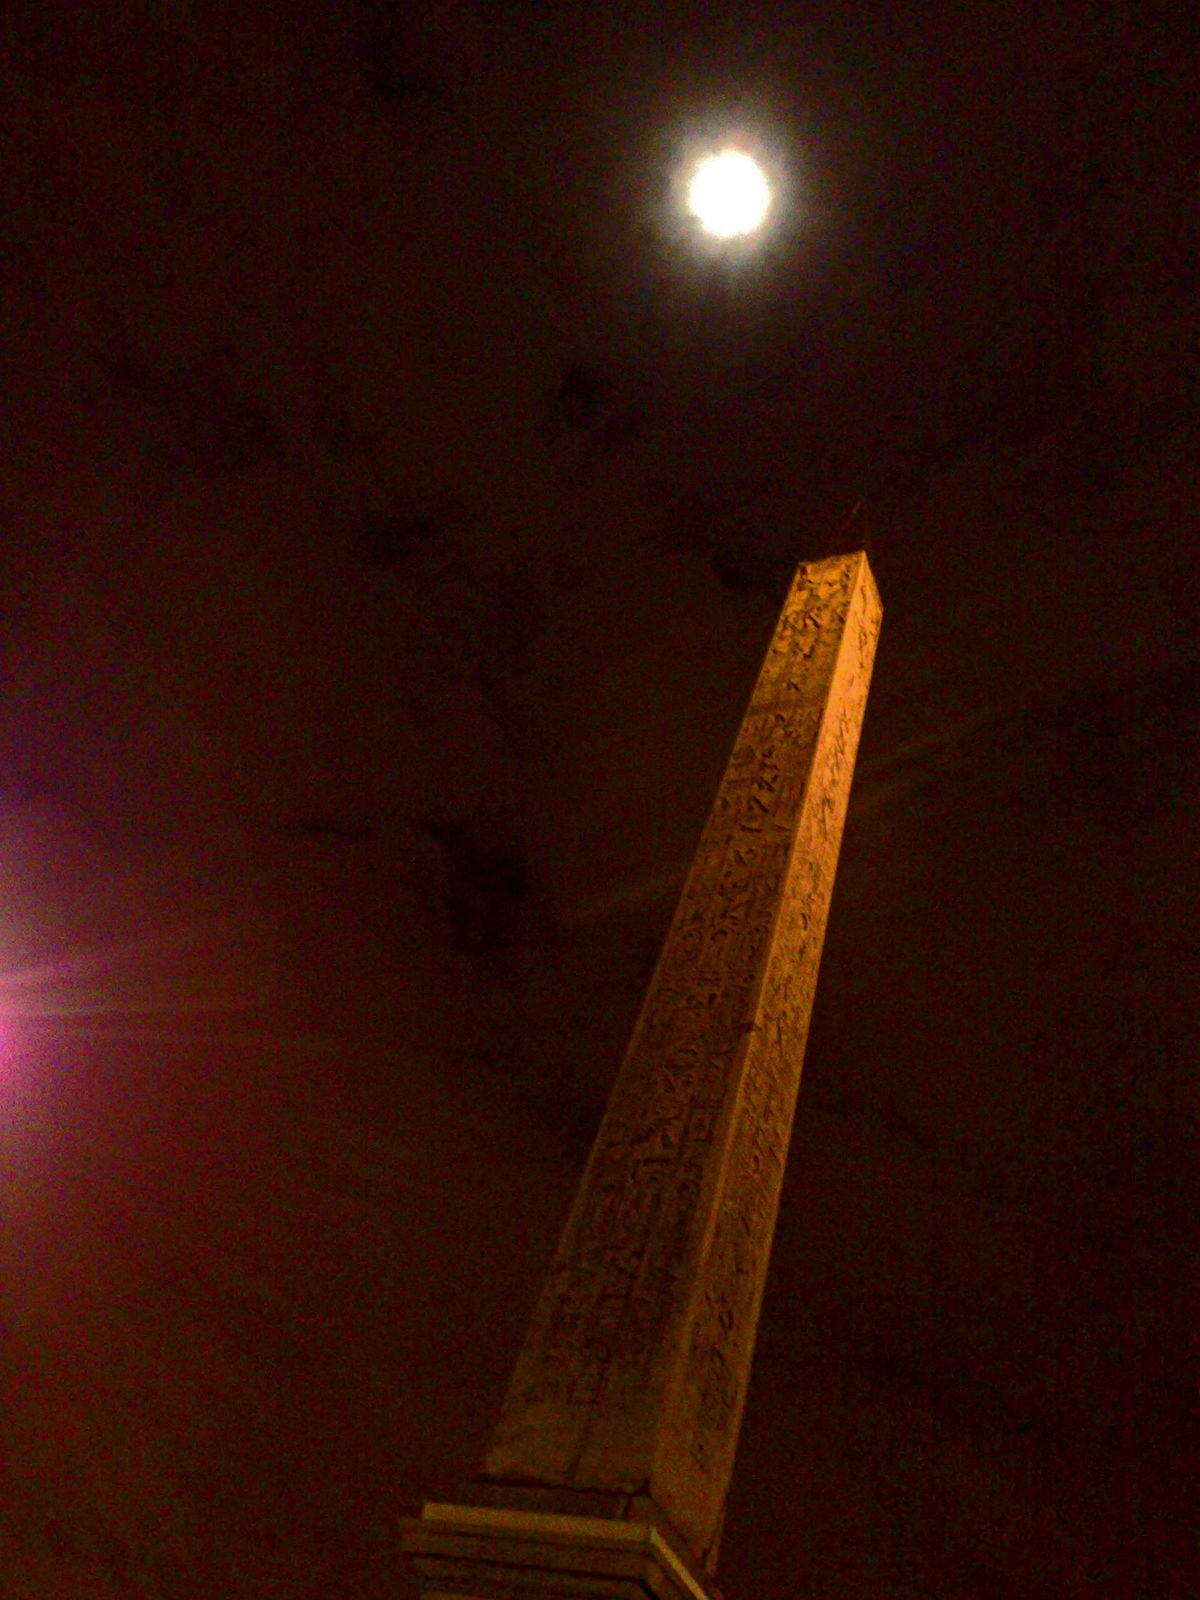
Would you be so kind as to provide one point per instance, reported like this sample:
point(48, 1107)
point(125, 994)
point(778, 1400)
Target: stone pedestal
point(621, 1421)
point(489, 1553)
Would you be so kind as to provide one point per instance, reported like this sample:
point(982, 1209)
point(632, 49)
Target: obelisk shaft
point(634, 1372)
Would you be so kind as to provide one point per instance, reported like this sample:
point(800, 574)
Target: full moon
point(729, 194)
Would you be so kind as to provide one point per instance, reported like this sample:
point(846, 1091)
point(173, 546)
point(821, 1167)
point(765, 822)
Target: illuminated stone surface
point(627, 1396)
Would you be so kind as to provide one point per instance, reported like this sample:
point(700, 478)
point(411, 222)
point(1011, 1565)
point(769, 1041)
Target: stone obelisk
point(608, 1471)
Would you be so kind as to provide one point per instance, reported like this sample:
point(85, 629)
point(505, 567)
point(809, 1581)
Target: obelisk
point(609, 1468)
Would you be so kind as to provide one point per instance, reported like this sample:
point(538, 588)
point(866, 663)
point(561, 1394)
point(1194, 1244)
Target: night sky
point(397, 496)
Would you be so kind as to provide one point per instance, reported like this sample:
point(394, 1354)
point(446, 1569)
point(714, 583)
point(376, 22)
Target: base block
point(491, 1553)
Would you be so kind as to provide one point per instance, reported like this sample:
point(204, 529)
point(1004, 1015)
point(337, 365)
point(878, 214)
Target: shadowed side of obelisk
point(627, 1397)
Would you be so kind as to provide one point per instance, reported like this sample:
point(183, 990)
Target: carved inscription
point(634, 1372)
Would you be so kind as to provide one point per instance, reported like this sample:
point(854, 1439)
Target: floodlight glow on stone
point(729, 194)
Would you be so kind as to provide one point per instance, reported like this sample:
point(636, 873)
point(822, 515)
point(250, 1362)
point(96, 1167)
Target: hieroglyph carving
point(634, 1372)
